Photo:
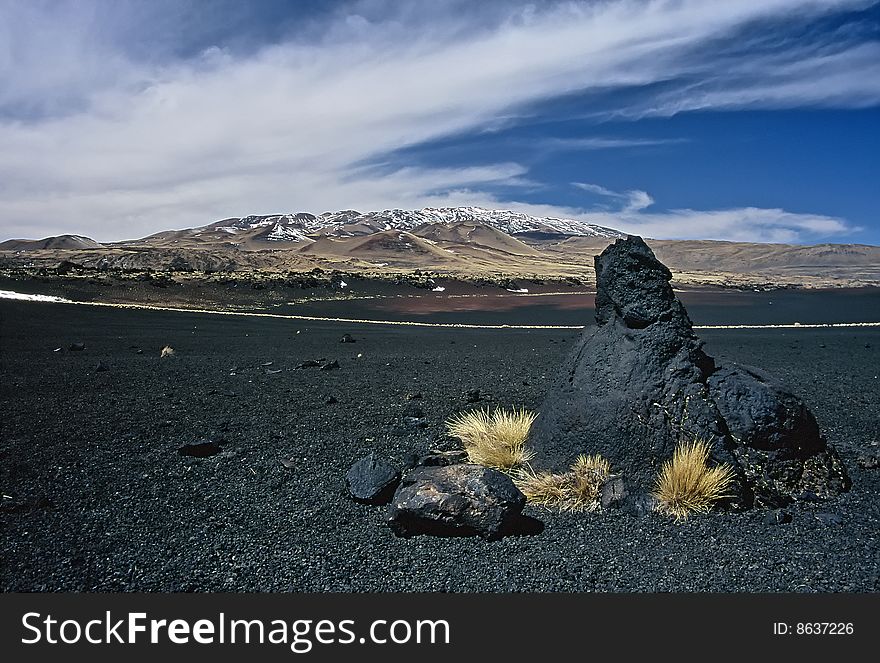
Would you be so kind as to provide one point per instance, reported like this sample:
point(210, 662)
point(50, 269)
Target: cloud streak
point(104, 142)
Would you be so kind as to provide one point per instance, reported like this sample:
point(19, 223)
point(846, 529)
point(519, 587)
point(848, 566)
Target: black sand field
point(96, 496)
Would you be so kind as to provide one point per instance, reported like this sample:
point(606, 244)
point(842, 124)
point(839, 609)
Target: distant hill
point(58, 242)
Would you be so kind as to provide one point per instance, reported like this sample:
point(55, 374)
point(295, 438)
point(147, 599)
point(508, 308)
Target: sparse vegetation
point(495, 439)
point(686, 484)
point(167, 351)
point(575, 490)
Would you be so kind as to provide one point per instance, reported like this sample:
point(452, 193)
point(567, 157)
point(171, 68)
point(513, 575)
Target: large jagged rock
point(640, 383)
point(455, 500)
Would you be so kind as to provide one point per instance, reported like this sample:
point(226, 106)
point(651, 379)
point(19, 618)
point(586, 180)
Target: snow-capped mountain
point(297, 227)
point(278, 227)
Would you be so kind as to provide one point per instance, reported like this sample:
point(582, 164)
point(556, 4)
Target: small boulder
point(413, 410)
point(330, 365)
point(200, 449)
point(435, 458)
point(372, 480)
point(309, 363)
point(77, 347)
point(347, 338)
point(455, 500)
point(829, 518)
point(101, 367)
point(613, 493)
point(777, 517)
point(472, 396)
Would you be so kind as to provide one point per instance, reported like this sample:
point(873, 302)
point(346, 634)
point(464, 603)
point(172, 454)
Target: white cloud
point(116, 146)
point(746, 224)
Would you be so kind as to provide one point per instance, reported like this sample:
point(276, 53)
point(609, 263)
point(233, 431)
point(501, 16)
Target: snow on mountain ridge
point(294, 227)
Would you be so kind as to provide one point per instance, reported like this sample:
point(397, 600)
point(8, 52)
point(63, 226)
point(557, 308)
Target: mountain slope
point(57, 242)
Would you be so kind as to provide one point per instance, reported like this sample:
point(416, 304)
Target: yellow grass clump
point(686, 484)
point(576, 490)
point(167, 351)
point(496, 439)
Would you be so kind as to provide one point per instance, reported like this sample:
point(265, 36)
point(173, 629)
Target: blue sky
point(747, 120)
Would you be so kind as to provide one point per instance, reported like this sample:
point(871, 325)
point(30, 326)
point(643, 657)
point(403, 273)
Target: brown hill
point(57, 242)
point(474, 234)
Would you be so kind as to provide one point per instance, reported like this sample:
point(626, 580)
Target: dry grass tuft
point(167, 351)
point(686, 484)
point(496, 439)
point(575, 490)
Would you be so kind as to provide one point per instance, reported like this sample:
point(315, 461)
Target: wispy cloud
point(633, 201)
point(605, 143)
point(738, 224)
point(101, 140)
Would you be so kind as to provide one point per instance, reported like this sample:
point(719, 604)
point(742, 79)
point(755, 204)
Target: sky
point(742, 120)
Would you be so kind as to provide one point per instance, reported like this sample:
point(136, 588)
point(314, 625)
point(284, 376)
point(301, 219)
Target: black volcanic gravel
point(96, 496)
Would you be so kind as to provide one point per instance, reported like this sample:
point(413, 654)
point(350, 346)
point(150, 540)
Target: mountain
point(452, 240)
point(303, 228)
point(57, 242)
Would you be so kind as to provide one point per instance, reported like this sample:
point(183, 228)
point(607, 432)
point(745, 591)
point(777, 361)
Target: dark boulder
point(639, 383)
point(330, 365)
point(437, 458)
point(869, 459)
point(347, 338)
point(455, 500)
point(372, 480)
point(200, 449)
point(413, 410)
point(77, 347)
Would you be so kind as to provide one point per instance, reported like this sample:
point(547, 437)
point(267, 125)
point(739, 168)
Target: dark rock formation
point(640, 383)
point(372, 480)
point(455, 500)
point(200, 449)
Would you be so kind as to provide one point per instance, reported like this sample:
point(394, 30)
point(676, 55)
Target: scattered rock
point(330, 365)
point(347, 338)
point(639, 383)
point(777, 517)
point(869, 459)
point(456, 500)
point(472, 396)
point(77, 347)
point(372, 480)
point(201, 449)
point(308, 363)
